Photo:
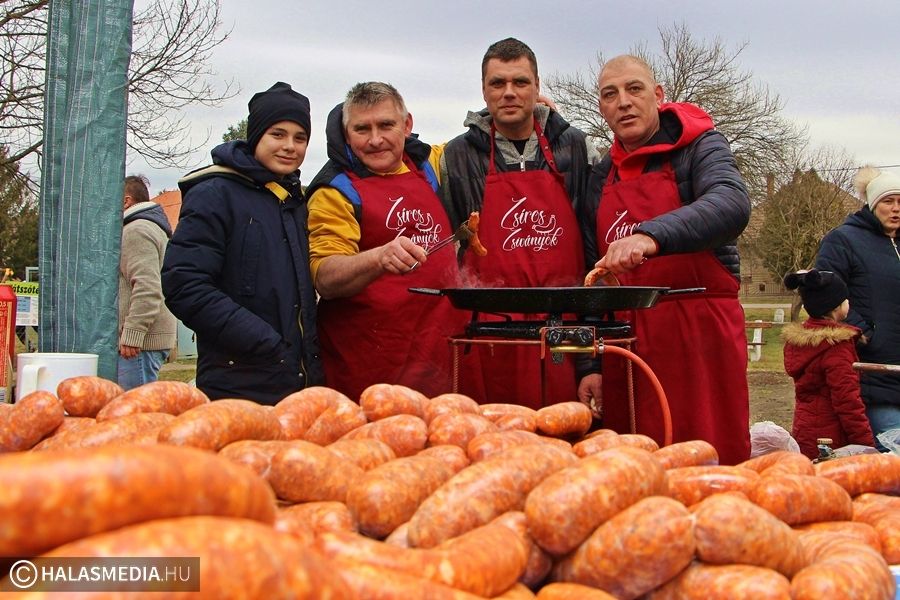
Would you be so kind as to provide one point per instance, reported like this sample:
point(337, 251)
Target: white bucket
point(45, 370)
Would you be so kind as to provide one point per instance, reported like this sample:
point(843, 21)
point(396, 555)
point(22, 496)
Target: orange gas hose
point(660, 393)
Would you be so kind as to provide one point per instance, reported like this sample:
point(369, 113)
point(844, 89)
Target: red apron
point(384, 334)
point(696, 345)
point(532, 237)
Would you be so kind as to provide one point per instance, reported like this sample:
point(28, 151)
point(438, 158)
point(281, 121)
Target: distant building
point(171, 205)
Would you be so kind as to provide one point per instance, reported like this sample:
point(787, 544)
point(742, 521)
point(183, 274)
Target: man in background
point(147, 329)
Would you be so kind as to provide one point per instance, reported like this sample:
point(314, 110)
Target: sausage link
point(494, 411)
point(214, 425)
point(539, 562)
point(305, 472)
point(298, 411)
point(571, 591)
point(454, 456)
point(387, 496)
point(635, 551)
point(382, 400)
point(484, 561)
point(457, 429)
point(565, 419)
point(485, 445)
point(310, 519)
point(841, 569)
point(596, 444)
point(568, 505)
point(878, 473)
point(405, 434)
point(483, 491)
point(780, 461)
point(449, 403)
point(173, 397)
point(872, 497)
point(338, 419)
point(364, 453)
point(254, 454)
point(687, 454)
point(513, 422)
point(29, 420)
point(84, 396)
point(690, 485)
point(859, 531)
point(375, 583)
point(885, 518)
point(124, 430)
point(730, 530)
point(72, 424)
point(725, 582)
point(797, 499)
point(238, 558)
point(99, 489)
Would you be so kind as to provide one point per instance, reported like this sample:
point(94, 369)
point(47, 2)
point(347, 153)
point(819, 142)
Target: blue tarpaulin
point(88, 50)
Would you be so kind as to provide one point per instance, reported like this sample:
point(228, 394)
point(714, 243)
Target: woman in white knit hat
point(864, 252)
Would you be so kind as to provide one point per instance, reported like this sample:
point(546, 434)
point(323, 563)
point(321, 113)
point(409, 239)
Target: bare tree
point(708, 74)
point(800, 213)
point(169, 71)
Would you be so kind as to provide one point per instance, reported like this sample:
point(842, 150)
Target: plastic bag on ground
point(890, 439)
point(766, 436)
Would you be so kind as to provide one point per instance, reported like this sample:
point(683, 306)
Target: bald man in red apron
point(667, 208)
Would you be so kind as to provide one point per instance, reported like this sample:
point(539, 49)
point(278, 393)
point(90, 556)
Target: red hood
point(694, 121)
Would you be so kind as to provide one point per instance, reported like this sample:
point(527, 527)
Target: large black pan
point(554, 300)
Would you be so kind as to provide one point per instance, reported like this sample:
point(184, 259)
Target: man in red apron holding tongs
point(373, 214)
point(671, 205)
point(526, 170)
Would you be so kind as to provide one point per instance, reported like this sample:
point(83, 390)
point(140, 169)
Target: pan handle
point(695, 290)
point(426, 291)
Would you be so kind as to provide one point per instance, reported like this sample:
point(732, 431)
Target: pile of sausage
point(403, 496)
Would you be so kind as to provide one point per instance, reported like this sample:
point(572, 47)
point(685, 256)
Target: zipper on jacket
point(522, 162)
point(897, 252)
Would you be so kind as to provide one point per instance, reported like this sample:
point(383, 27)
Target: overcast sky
point(834, 63)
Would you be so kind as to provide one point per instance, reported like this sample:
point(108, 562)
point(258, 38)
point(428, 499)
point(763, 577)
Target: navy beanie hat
point(821, 291)
point(278, 103)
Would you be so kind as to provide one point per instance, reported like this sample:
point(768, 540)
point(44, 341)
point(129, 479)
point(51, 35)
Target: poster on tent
point(26, 303)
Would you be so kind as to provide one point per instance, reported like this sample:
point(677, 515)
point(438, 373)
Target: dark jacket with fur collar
point(819, 356)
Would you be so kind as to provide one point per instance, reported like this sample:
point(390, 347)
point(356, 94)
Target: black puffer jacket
point(868, 261)
point(716, 206)
point(464, 164)
point(237, 273)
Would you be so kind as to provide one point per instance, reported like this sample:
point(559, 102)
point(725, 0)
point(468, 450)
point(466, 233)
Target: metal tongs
point(461, 234)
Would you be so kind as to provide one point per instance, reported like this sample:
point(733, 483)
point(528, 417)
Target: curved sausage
point(450, 402)
point(124, 430)
point(687, 454)
point(484, 561)
point(310, 519)
point(571, 591)
point(878, 473)
point(382, 400)
point(483, 491)
point(457, 429)
point(387, 496)
point(454, 456)
point(493, 411)
point(256, 455)
point(635, 551)
point(84, 396)
point(214, 425)
point(841, 568)
point(731, 530)
point(405, 434)
point(306, 472)
point(513, 422)
point(797, 499)
point(595, 444)
point(690, 485)
point(780, 461)
point(487, 444)
point(99, 489)
point(298, 411)
point(725, 582)
point(30, 419)
point(238, 558)
point(859, 531)
point(364, 453)
point(338, 419)
point(568, 505)
point(565, 419)
point(539, 562)
point(173, 397)
point(886, 521)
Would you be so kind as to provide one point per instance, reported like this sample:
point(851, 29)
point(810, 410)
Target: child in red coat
point(819, 356)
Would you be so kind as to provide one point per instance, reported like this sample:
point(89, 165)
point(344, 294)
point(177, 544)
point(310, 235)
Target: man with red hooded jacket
point(665, 208)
